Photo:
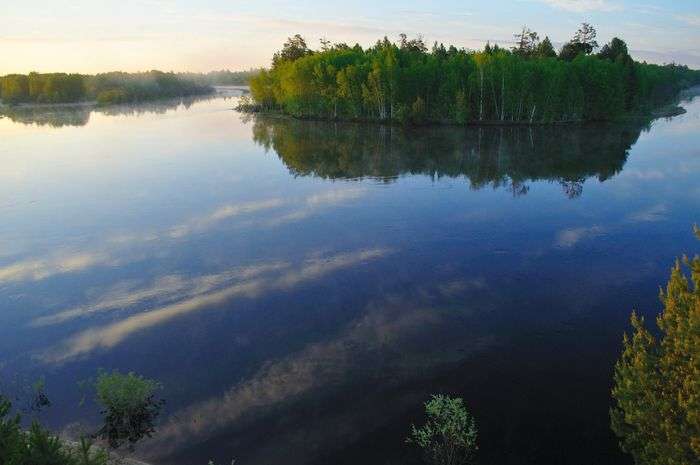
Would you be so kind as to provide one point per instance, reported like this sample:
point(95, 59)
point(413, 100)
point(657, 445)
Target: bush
point(38, 446)
point(129, 407)
point(448, 436)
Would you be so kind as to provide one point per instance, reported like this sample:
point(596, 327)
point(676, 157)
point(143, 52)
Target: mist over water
point(301, 287)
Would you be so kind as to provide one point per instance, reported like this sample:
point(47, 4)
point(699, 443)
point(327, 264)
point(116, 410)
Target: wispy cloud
point(689, 19)
point(164, 289)
point(385, 328)
point(106, 337)
point(56, 263)
point(223, 213)
point(311, 204)
point(651, 214)
point(42, 268)
point(582, 6)
point(568, 238)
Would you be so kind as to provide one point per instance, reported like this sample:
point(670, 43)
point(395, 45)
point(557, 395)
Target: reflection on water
point(301, 291)
point(79, 114)
point(508, 157)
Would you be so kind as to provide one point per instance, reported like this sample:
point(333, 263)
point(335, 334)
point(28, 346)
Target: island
point(405, 82)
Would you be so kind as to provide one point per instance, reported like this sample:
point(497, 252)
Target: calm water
point(300, 288)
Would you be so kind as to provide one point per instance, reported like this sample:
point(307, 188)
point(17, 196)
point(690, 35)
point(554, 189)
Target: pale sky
point(130, 35)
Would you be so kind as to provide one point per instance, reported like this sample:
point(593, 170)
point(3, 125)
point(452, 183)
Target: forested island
point(104, 88)
point(405, 82)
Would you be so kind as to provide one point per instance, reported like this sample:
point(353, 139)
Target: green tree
point(39, 447)
point(14, 88)
point(657, 380)
point(129, 405)
point(585, 38)
point(614, 50)
point(545, 49)
point(448, 436)
point(526, 42)
point(293, 49)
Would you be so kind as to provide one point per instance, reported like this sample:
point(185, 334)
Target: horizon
point(75, 37)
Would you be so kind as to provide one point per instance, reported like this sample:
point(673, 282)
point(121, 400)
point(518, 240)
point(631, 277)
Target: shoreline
point(668, 110)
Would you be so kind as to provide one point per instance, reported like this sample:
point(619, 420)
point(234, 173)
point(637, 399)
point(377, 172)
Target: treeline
point(406, 82)
point(222, 78)
point(105, 88)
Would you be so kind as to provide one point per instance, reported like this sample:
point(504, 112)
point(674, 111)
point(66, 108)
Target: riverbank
point(669, 110)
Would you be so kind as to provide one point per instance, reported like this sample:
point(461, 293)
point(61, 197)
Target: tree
point(615, 50)
point(39, 447)
point(293, 49)
point(657, 381)
point(585, 38)
point(14, 88)
point(545, 49)
point(130, 407)
point(414, 45)
point(526, 42)
point(448, 436)
point(583, 42)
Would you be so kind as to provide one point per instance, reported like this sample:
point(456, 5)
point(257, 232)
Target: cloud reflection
point(568, 238)
point(42, 268)
point(166, 288)
point(387, 342)
point(108, 336)
point(36, 269)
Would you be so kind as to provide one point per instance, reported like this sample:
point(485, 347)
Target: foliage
point(407, 83)
point(38, 446)
point(657, 380)
point(106, 88)
point(293, 49)
point(129, 407)
point(448, 436)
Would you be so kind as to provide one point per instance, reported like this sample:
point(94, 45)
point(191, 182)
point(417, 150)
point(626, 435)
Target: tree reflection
point(79, 114)
point(500, 157)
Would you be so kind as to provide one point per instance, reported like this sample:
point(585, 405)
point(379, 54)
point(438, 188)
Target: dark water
point(300, 288)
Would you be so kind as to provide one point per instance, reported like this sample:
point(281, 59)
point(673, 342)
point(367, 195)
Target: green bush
point(38, 446)
point(448, 436)
point(130, 407)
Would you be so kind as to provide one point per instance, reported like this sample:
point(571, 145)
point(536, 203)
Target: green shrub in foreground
point(129, 405)
point(38, 446)
point(448, 436)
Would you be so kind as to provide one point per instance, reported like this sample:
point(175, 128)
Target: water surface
point(300, 288)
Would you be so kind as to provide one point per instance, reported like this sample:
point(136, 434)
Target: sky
point(91, 36)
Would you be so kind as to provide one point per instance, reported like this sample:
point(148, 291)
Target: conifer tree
point(657, 379)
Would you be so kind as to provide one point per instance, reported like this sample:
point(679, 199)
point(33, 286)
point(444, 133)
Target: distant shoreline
point(218, 90)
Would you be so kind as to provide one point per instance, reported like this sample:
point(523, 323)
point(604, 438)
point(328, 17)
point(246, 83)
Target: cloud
point(652, 214)
point(221, 214)
point(388, 335)
point(315, 202)
point(42, 268)
point(689, 19)
point(69, 262)
point(111, 335)
point(568, 238)
point(167, 288)
point(582, 6)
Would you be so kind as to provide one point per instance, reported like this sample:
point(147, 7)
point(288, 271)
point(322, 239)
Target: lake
point(300, 288)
